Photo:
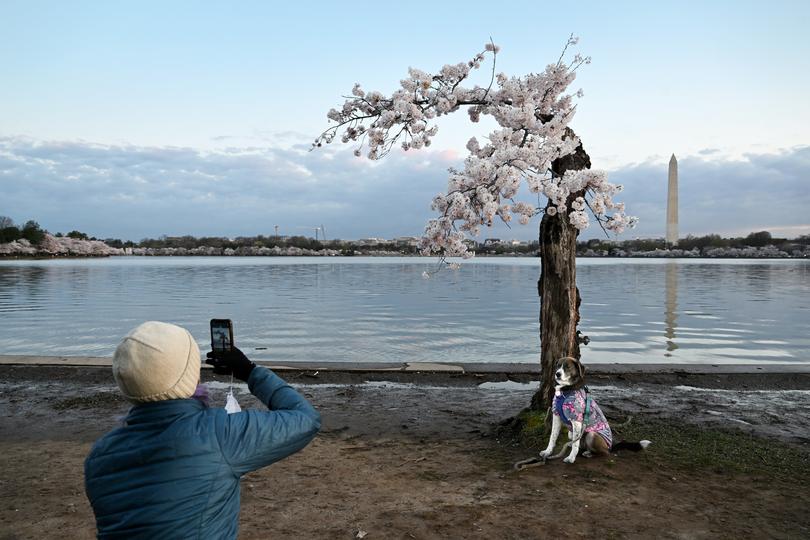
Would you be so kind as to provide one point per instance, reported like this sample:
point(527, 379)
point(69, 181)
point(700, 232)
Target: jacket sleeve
point(253, 439)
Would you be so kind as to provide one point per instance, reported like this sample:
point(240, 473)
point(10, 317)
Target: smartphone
point(221, 335)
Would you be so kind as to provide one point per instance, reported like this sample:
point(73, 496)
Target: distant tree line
point(346, 247)
point(350, 247)
point(31, 231)
point(755, 239)
point(529, 248)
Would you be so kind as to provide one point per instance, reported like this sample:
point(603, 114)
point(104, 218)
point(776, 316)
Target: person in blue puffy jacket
point(173, 469)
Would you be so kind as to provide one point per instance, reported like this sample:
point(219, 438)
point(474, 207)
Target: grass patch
point(527, 429)
point(682, 445)
point(533, 428)
point(717, 450)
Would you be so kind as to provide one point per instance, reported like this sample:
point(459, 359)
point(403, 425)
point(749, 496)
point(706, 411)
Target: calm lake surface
point(383, 310)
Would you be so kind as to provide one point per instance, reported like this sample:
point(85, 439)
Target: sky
point(149, 118)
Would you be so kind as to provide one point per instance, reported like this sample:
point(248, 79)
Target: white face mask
point(231, 405)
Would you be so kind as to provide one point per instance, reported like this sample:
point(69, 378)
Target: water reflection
point(758, 280)
point(361, 309)
point(671, 305)
point(22, 289)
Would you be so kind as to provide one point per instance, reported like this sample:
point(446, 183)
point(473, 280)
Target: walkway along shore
point(731, 376)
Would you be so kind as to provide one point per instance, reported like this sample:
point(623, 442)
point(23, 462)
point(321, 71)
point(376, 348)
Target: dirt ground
point(401, 460)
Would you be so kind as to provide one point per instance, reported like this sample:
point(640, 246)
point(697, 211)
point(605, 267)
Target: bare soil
point(400, 460)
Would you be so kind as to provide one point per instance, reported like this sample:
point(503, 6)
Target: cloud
point(137, 191)
point(280, 139)
point(767, 191)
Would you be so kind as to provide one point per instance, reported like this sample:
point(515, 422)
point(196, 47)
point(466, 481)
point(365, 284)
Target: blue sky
point(193, 117)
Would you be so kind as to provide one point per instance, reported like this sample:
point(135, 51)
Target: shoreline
point(713, 376)
point(462, 367)
point(23, 257)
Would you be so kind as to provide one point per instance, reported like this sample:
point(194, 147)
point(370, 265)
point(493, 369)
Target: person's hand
point(230, 362)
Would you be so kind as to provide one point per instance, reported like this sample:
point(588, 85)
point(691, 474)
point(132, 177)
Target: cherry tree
point(533, 146)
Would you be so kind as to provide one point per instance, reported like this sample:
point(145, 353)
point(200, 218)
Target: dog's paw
point(570, 459)
point(587, 454)
point(545, 453)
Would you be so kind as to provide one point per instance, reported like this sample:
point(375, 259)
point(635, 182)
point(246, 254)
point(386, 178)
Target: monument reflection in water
point(671, 306)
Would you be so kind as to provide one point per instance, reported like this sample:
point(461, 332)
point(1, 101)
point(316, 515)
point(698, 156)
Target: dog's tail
point(636, 446)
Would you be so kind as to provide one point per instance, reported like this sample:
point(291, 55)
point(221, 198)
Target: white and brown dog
point(579, 412)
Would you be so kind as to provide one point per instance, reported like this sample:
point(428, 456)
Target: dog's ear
point(581, 370)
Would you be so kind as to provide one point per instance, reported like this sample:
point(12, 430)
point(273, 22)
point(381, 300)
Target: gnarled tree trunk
point(557, 287)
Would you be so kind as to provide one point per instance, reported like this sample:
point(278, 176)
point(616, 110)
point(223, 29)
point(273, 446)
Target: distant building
point(492, 242)
point(406, 241)
point(370, 241)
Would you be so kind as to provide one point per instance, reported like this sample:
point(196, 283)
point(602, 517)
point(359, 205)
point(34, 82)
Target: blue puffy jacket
point(173, 470)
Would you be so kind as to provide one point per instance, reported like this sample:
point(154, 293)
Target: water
point(382, 310)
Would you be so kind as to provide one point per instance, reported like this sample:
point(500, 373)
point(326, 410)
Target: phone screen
point(221, 334)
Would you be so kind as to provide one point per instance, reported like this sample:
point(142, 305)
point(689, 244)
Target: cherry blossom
point(533, 113)
point(54, 246)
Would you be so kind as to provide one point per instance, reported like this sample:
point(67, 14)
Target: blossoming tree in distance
point(532, 144)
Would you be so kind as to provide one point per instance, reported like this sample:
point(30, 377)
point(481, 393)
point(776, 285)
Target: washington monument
point(672, 203)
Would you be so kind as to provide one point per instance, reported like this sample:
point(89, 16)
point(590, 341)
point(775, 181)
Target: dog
point(579, 412)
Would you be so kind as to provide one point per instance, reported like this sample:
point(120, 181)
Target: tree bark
point(557, 286)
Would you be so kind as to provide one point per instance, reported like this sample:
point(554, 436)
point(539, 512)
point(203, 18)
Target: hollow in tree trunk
point(557, 287)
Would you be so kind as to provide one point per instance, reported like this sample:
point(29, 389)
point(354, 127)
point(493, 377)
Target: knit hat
point(157, 361)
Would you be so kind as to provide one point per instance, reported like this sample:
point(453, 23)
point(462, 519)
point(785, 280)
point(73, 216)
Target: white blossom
point(532, 112)
point(52, 245)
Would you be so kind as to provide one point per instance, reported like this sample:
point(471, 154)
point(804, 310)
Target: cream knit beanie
point(157, 361)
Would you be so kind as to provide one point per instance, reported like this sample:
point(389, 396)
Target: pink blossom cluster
point(533, 113)
point(52, 245)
